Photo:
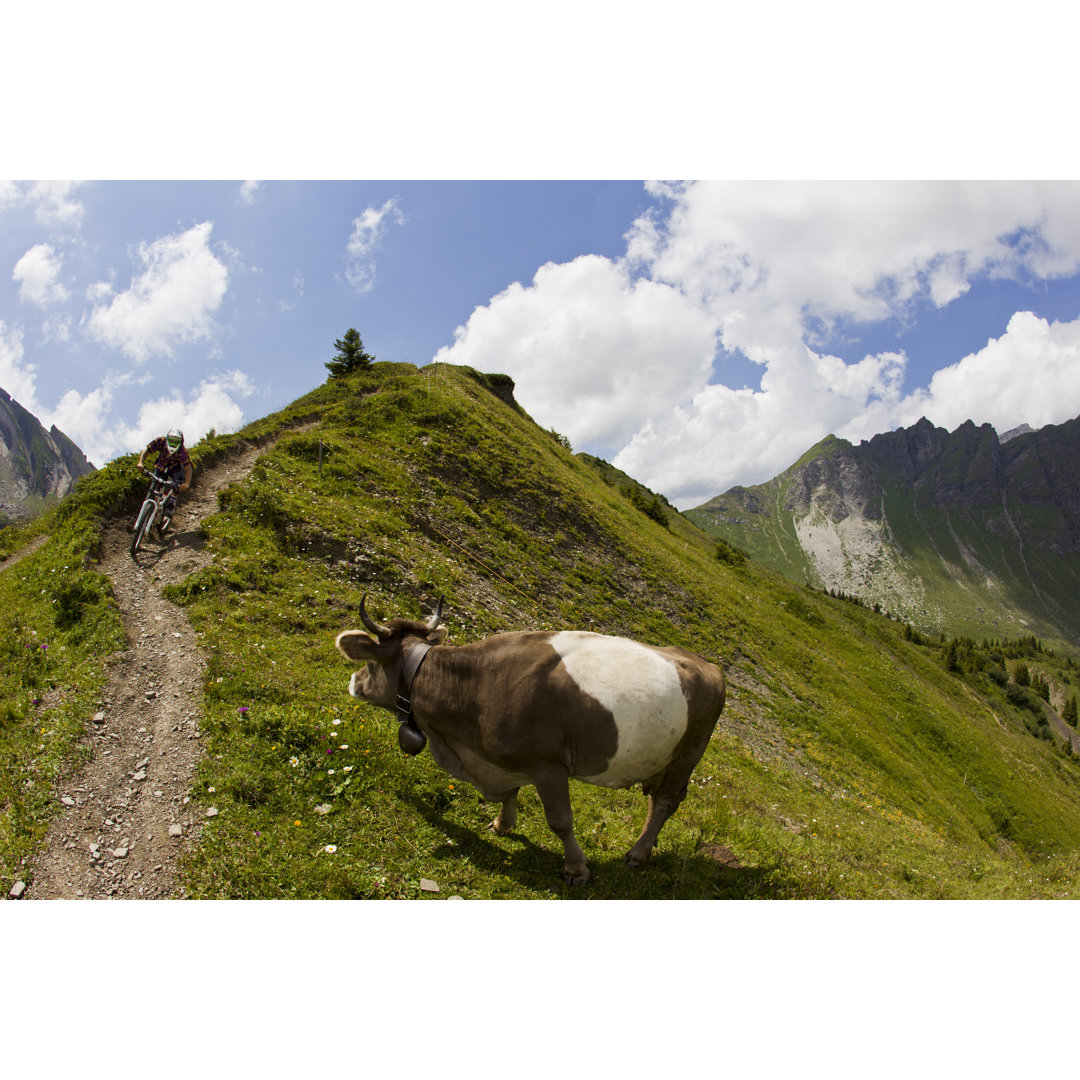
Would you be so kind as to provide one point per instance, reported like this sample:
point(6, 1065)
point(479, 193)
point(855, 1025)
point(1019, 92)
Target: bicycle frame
point(152, 507)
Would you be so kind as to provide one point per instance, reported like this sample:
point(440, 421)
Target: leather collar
point(410, 738)
point(409, 667)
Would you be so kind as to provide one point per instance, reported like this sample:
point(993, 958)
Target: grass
point(57, 621)
point(849, 763)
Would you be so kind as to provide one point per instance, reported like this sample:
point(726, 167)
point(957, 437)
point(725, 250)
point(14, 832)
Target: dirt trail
point(127, 817)
point(30, 548)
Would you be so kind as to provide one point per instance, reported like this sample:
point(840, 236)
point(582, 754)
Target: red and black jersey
point(172, 465)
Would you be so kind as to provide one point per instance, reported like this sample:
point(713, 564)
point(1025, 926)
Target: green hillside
point(849, 762)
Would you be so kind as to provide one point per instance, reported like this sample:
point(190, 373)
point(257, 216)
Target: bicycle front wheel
point(142, 525)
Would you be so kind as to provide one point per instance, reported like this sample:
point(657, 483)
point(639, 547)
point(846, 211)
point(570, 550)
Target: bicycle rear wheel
point(142, 525)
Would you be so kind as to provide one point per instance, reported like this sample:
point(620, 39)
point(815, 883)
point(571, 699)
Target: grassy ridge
point(849, 762)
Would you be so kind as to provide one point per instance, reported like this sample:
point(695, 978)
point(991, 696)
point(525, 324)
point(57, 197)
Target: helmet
point(174, 440)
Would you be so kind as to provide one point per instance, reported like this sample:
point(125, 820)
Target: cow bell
point(410, 738)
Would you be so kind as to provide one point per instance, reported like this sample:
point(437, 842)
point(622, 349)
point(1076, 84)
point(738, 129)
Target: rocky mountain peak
point(37, 467)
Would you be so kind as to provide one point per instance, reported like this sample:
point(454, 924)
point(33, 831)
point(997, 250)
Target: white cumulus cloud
point(621, 355)
point(99, 291)
point(17, 376)
point(369, 230)
point(212, 405)
point(57, 327)
point(52, 201)
point(38, 274)
point(171, 300)
point(594, 352)
point(88, 419)
point(54, 205)
point(1031, 374)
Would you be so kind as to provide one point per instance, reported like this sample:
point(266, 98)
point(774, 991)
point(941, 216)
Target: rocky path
point(30, 548)
point(127, 817)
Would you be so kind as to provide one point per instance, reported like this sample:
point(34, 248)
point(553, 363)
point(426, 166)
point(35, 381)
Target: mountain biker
point(173, 462)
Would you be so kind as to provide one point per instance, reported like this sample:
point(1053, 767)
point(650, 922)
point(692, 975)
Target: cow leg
point(554, 791)
point(666, 791)
point(507, 817)
point(661, 807)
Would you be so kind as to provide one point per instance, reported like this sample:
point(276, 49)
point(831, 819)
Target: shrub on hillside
point(652, 508)
point(1023, 698)
point(729, 554)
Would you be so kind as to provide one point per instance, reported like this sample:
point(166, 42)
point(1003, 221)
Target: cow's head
point(383, 654)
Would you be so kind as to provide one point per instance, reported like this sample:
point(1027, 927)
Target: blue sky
point(289, 284)
point(699, 335)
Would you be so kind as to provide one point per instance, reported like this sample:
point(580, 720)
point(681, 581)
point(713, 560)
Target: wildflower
point(211, 790)
point(294, 762)
point(348, 768)
point(243, 709)
point(329, 772)
point(297, 821)
point(344, 746)
point(335, 722)
point(330, 849)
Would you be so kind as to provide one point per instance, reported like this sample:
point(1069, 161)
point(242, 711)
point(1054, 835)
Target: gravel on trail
point(126, 816)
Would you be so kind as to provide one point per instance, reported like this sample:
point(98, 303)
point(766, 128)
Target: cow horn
point(377, 629)
point(433, 622)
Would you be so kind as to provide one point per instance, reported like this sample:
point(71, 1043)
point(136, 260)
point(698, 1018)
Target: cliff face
point(37, 467)
point(949, 529)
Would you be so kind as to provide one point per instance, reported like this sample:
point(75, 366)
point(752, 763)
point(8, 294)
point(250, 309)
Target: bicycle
point(153, 508)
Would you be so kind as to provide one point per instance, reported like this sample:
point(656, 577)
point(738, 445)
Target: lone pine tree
point(350, 355)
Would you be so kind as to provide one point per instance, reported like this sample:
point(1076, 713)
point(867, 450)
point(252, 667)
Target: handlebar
point(160, 479)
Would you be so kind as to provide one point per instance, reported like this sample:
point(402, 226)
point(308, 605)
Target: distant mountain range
point(963, 532)
point(37, 467)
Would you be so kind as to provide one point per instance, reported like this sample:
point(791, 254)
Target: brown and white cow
point(538, 708)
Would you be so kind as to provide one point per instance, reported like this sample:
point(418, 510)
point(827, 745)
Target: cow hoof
point(636, 861)
point(500, 828)
point(577, 876)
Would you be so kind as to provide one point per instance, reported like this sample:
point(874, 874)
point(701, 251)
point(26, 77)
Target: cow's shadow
point(538, 866)
point(515, 854)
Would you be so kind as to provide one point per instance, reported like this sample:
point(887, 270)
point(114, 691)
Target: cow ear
point(437, 636)
point(356, 645)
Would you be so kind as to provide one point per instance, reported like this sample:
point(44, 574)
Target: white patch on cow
point(642, 691)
